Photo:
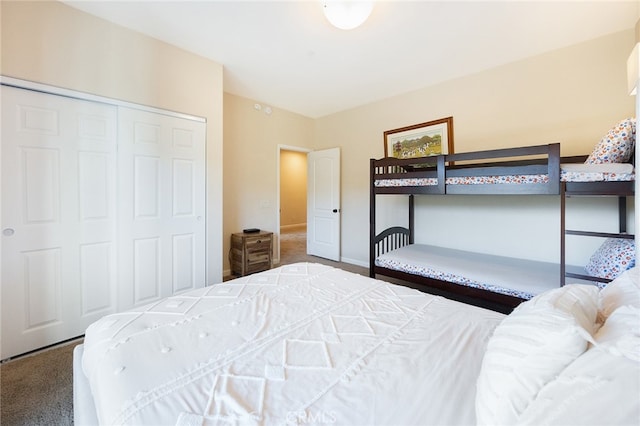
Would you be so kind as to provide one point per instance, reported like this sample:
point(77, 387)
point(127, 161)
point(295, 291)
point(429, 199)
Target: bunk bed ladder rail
point(563, 234)
point(621, 190)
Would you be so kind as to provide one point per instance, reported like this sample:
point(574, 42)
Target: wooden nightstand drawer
point(257, 267)
point(251, 252)
point(254, 245)
point(258, 258)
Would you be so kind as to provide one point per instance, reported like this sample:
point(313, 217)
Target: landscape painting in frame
point(420, 140)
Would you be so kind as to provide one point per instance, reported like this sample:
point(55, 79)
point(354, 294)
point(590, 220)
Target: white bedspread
point(299, 344)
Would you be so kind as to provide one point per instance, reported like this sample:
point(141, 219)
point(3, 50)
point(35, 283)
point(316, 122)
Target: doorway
point(292, 204)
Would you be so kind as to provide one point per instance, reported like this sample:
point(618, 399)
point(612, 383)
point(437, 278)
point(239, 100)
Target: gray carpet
point(38, 389)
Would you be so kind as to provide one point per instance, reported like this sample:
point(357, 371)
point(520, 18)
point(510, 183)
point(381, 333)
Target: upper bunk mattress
point(514, 277)
point(299, 344)
point(610, 172)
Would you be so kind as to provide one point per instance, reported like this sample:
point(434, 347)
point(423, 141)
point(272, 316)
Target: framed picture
point(420, 140)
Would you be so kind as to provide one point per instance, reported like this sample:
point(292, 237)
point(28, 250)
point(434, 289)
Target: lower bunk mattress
point(299, 344)
point(505, 275)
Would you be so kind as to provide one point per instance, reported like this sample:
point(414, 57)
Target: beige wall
point(293, 188)
point(252, 141)
point(572, 95)
point(51, 43)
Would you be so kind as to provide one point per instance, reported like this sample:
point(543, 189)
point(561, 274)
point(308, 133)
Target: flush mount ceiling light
point(347, 15)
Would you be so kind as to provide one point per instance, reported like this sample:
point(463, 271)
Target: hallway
point(293, 248)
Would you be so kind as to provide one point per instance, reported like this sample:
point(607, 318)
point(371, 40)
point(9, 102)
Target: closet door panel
point(58, 202)
point(42, 287)
point(183, 188)
point(94, 181)
point(162, 202)
point(146, 187)
point(41, 177)
point(184, 262)
point(146, 269)
point(97, 275)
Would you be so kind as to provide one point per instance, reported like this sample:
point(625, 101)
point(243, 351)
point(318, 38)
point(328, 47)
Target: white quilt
point(299, 344)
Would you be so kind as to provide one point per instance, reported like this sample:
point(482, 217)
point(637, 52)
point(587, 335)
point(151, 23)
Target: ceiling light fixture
point(347, 15)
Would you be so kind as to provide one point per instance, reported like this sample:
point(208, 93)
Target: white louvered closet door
point(58, 217)
point(162, 206)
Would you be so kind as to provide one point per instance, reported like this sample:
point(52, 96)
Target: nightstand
point(250, 252)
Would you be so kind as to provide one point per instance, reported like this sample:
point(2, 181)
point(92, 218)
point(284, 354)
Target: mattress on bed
point(302, 343)
point(609, 172)
point(499, 274)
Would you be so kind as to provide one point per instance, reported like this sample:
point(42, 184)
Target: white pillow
point(623, 291)
point(530, 347)
point(620, 334)
point(602, 386)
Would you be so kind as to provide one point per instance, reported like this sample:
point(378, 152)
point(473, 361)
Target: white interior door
point(323, 203)
point(162, 206)
point(58, 217)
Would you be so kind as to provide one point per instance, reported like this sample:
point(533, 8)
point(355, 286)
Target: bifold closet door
point(161, 221)
point(58, 217)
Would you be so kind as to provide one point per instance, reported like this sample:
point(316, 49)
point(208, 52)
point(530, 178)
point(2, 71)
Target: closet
point(103, 207)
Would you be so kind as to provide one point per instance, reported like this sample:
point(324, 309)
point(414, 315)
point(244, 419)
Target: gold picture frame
point(420, 140)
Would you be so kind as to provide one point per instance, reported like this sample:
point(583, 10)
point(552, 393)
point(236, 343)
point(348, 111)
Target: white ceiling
point(285, 54)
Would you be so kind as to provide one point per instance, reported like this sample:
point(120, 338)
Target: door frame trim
point(53, 90)
point(281, 148)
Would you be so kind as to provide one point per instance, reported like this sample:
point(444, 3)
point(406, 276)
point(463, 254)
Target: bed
point(496, 281)
point(311, 344)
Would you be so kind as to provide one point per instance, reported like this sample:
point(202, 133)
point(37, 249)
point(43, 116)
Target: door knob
point(7, 232)
point(335, 210)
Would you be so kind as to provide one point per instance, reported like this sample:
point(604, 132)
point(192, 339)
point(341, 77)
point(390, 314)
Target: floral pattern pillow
point(614, 256)
point(617, 145)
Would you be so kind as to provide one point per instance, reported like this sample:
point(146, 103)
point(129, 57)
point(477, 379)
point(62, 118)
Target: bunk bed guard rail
point(430, 175)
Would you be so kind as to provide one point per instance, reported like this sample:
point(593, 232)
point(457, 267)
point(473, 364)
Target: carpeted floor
point(293, 245)
point(293, 248)
point(37, 389)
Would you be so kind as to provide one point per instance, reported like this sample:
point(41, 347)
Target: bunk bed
point(494, 282)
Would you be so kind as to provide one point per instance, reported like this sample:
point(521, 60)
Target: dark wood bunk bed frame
point(501, 162)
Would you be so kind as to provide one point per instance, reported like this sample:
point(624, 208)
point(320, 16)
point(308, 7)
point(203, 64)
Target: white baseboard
point(225, 273)
point(294, 226)
point(354, 262)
